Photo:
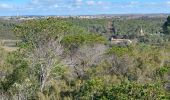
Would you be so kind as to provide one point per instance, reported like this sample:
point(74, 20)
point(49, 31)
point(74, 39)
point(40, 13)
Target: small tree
point(166, 26)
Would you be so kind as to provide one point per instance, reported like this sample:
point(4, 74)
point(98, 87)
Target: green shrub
point(119, 51)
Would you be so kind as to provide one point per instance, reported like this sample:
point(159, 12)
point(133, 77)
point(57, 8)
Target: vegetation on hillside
point(72, 59)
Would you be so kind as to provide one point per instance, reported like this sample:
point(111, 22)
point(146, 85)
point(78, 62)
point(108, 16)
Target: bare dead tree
point(85, 57)
point(118, 65)
point(45, 55)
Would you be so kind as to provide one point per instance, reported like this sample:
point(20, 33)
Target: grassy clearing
point(9, 49)
point(9, 45)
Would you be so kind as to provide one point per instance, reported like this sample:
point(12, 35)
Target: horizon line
point(88, 14)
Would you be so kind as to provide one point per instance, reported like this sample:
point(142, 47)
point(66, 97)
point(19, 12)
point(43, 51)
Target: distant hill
point(127, 16)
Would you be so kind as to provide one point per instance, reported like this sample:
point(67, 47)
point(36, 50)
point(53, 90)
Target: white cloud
point(56, 6)
point(5, 6)
point(168, 3)
point(82, 5)
point(134, 2)
point(100, 2)
point(91, 2)
point(78, 2)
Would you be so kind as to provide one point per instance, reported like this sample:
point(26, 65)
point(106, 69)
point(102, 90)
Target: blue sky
point(82, 7)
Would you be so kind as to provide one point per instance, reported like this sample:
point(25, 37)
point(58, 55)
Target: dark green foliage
point(36, 32)
point(133, 27)
point(73, 41)
point(91, 25)
point(163, 70)
point(19, 72)
point(135, 91)
point(96, 89)
point(130, 27)
point(91, 89)
point(119, 51)
point(166, 26)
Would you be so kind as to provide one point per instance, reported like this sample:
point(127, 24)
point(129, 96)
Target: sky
point(82, 7)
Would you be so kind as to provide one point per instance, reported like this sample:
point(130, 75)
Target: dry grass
point(9, 45)
point(9, 49)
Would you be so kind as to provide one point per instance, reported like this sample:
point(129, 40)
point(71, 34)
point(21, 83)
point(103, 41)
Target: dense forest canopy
point(73, 59)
